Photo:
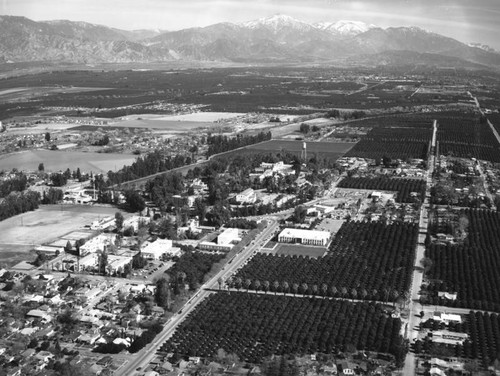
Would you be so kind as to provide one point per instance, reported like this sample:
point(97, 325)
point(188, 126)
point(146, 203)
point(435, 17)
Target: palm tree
point(314, 289)
point(324, 289)
point(247, 282)
point(394, 295)
point(343, 292)
point(276, 285)
point(266, 286)
point(363, 294)
point(333, 291)
point(237, 283)
point(354, 293)
point(385, 294)
point(305, 287)
point(285, 287)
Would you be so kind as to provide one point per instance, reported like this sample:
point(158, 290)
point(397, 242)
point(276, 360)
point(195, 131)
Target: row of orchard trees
point(469, 267)
point(324, 290)
point(219, 144)
point(254, 326)
point(363, 256)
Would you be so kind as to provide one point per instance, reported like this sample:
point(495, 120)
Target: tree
point(333, 291)
point(220, 281)
point(266, 285)
point(166, 228)
point(305, 288)
point(314, 289)
point(40, 259)
point(285, 287)
point(103, 263)
point(247, 283)
point(304, 128)
point(324, 289)
point(163, 293)
point(426, 263)
point(134, 200)
point(220, 214)
point(68, 247)
point(200, 209)
point(237, 283)
point(119, 221)
point(299, 214)
point(276, 286)
point(41, 167)
point(295, 288)
point(47, 136)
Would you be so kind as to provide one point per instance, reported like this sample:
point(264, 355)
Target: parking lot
point(154, 268)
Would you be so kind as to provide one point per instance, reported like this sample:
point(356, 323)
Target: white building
point(448, 337)
point(198, 185)
point(446, 317)
point(97, 244)
point(157, 249)
point(307, 237)
point(117, 263)
point(248, 196)
point(192, 226)
point(103, 224)
point(88, 262)
point(224, 242)
point(135, 221)
point(49, 251)
point(448, 295)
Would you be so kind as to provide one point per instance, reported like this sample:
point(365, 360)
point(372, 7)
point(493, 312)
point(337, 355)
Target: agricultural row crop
point(469, 267)
point(254, 326)
point(364, 261)
point(404, 187)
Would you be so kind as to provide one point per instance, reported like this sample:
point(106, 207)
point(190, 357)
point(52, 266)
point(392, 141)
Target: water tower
point(303, 153)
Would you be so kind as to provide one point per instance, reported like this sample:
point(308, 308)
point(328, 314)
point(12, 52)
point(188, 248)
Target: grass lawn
point(298, 249)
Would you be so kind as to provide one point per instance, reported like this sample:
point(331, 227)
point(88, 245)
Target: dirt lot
point(23, 232)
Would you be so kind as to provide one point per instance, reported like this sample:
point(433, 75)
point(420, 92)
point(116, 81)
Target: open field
point(299, 250)
point(169, 125)
point(333, 150)
point(201, 116)
point(330, 148)
point(23, 232)
point(60, 160)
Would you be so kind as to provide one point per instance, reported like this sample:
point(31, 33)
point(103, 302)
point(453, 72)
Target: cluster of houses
point(102, 312)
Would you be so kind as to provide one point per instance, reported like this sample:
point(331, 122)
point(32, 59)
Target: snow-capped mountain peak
point(345, 27)
point(277, 22)
point(481, 46)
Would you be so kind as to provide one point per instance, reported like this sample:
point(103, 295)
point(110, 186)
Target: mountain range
point(275, 39)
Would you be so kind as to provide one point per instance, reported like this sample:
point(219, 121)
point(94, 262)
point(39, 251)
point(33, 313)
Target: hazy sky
point(465, 20)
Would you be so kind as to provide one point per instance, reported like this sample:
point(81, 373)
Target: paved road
point(414, 306)
point(147, 354)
